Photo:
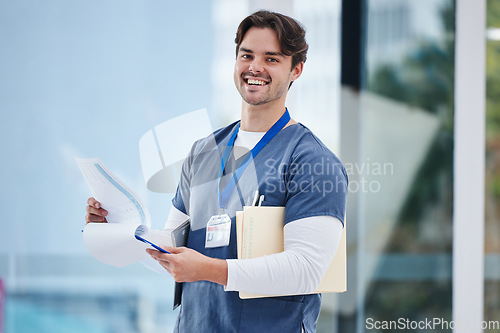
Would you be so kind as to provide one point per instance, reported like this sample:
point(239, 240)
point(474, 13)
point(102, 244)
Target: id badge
point(218, 231)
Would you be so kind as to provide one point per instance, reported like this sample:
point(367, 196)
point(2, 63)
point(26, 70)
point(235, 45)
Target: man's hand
point(187, 265)
point(94, 212)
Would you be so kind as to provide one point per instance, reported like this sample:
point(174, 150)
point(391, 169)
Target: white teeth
point(257, 82)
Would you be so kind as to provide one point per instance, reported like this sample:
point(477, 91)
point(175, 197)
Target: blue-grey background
point(87, 78)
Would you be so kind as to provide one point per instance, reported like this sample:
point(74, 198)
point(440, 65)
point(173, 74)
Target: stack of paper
point(260, 232)
point(115, 242)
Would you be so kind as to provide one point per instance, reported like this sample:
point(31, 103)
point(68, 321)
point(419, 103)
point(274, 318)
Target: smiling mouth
point(255, 82)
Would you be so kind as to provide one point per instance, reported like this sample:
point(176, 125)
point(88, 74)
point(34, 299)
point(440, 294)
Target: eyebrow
point(279, 54)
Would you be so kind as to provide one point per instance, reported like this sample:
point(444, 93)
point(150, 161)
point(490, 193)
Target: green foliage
point(493, 85)
point(425, 79)
point(493, 13)
point(495, 186)
point(493, 108)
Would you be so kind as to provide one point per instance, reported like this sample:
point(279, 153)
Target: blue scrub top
point(294, 170)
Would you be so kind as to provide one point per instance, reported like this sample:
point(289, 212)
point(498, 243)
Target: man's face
point(262, 74)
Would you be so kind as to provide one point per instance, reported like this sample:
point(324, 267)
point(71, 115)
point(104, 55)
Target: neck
point(260, 118)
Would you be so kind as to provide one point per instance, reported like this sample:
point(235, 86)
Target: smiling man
point(281, 162)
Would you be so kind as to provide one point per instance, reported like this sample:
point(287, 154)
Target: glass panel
point(492, 172)
point(404, 179)
point(86, 79)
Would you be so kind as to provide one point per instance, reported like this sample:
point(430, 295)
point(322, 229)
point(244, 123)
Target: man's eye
point(246, 56)
point(272, 60)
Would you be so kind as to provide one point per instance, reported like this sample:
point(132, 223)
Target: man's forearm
point(310, 245)
point(215, 270)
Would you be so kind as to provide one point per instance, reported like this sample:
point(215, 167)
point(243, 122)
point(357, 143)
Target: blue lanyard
point(226, 193)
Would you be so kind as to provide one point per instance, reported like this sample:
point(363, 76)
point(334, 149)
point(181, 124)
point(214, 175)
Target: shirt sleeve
point(175, 218)
point(310, 245)
point(316, 183)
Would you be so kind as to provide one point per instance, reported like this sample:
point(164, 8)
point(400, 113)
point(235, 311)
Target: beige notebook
point(259, 232)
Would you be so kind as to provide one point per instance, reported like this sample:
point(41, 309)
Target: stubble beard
point(259, 100)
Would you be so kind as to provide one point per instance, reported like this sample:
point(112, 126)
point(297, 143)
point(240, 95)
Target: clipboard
point(180, 236)
point(259, 232)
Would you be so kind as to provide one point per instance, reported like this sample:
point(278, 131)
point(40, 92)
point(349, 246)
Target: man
point(286, 164)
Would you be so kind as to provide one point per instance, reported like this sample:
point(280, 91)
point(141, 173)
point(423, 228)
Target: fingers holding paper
point(95, 213)
point(188, 265)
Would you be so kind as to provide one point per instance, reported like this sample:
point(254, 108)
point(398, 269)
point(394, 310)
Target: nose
point(256, 66)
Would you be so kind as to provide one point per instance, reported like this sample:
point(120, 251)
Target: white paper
point(114, 243)
point(122, 204)
point(157, 237)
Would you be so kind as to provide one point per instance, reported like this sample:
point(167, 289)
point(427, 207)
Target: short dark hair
point(291, 34)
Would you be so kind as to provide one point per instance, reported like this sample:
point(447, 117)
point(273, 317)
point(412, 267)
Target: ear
point(297, 71)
